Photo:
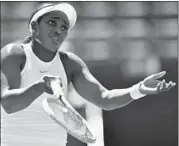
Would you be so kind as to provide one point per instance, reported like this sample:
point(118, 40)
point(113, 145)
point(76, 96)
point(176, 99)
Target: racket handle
point(58, 92)
point(56, 88)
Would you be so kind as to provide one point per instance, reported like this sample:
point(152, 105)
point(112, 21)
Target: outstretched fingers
point(170, 85)
point(163, 86)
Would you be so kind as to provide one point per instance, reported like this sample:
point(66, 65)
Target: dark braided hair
point(38, 8)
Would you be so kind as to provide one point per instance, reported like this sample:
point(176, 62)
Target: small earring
point(33, 26)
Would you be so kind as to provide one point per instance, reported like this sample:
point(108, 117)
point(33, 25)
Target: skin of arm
point(90, 89)
point(14, 98)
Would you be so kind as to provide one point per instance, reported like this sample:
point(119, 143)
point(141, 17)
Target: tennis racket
point(62, 112)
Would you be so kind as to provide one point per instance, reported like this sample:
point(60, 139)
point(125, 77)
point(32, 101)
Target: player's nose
point(57, 32)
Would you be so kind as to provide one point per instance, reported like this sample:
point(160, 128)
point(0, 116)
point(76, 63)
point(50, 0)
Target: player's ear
point(35, 30)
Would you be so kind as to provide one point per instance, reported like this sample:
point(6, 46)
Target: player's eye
point(64, 28)
point(52, 23)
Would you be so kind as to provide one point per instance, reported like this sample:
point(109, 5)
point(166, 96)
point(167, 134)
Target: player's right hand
point(48, 80)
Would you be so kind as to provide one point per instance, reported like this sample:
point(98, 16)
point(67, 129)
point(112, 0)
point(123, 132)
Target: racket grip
point(56, 88)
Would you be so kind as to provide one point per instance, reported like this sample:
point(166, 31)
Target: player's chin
point(56, 46)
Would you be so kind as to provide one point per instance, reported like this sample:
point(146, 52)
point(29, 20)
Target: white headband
point(63, 7)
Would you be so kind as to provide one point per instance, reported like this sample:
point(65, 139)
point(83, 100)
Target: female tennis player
point(28, 68)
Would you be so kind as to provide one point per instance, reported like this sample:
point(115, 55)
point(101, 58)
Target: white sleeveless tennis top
point(32, 126)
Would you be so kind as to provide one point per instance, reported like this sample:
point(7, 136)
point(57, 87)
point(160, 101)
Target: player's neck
point(41, 52)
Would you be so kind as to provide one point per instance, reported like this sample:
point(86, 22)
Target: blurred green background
point(121, 42)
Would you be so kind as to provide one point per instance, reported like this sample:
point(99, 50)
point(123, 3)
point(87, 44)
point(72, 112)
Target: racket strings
point(77, 124)
point(70, 120)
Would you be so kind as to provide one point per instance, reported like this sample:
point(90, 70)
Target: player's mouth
point(57, 39)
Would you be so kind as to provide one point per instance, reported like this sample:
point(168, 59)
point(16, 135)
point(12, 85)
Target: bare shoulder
point(73, 61)
point(13, 52)
point(12, 59)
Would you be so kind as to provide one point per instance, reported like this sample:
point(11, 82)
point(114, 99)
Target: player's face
point(53, 29)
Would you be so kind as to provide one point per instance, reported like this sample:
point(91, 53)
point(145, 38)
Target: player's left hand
point(151, 84)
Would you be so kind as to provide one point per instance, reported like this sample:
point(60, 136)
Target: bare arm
point(14, 98)
point(90, 89)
